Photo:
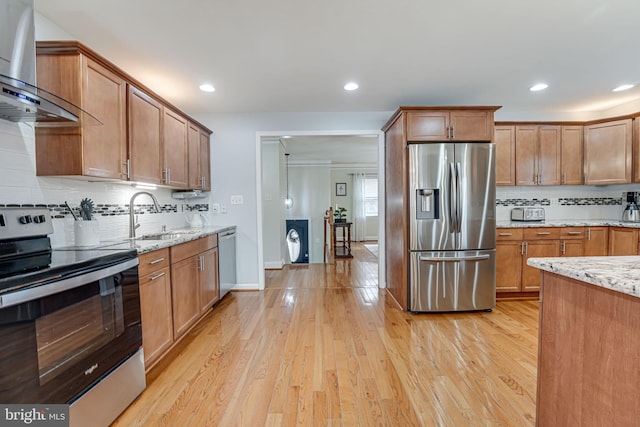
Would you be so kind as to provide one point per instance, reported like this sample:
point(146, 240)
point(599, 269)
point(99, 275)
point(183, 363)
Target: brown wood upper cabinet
point(538, 154)
point(95, 151)
point(199, 158)
point(572, 164)
point(454, 125)
point(145, 137)
point(636, 149)
point(505, 140)
point(175, 149)
point(142, 137)
point(607, 152)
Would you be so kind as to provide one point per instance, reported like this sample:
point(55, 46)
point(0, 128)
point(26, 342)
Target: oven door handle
point(37, 292)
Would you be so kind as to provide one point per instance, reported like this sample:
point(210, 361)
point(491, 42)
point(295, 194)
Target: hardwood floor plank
point(322, 345)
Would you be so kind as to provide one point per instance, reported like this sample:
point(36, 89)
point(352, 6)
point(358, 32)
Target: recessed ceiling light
point(539, 86)
point(286, 136)
point(622, 87)
point(351, 86)
point(207, 88)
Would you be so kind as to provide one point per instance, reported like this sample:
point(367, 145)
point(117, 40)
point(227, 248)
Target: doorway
point(318, 153)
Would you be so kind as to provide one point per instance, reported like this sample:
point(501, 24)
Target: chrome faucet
point(132, 223)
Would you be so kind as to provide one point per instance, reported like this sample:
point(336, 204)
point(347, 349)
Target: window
point(371, 196)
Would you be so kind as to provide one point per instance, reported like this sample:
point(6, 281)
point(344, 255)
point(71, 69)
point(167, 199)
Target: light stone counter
point(618, 273)
point(176, 237)
point(568, 223)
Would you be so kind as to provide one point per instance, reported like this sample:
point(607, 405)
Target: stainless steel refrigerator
point(452, 227)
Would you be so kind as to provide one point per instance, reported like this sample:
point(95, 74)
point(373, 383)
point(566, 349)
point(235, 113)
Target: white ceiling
point(295, 55)
point(338, 151)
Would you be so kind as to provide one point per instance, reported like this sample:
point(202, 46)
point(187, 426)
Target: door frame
point(381, 174)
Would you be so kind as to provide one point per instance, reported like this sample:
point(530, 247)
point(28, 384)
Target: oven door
point(64, 335)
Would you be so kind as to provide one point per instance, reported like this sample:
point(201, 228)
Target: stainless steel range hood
point(20, 99)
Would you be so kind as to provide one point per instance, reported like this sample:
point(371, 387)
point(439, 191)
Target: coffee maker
point(631, 212)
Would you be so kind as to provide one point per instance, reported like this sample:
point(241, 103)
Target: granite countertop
point(618, 273)
point(568, 223)
point(173, 237)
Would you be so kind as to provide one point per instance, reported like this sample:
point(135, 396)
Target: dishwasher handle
point(226, 235)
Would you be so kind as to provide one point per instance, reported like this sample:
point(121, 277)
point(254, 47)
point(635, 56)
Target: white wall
point(310, 194)
point(272, 215)
point(234, 165)
point(346, 176)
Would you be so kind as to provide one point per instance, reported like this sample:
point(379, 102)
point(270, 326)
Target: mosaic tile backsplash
point(60, 211)
point(562, 201)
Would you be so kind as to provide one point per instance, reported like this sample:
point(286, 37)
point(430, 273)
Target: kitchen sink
point(166, 235)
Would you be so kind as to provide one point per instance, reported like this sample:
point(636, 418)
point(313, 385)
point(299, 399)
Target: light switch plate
point(215, 208)
point(237, 200)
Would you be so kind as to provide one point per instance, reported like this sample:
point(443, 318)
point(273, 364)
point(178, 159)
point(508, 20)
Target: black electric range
point(26, 256)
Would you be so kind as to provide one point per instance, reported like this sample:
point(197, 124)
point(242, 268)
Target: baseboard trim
point(274, 265)
point(246, 287)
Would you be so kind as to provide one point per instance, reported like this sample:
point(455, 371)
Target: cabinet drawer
point(541, 233)
point(195, 247)
point(509, 233)
point(153, 261)
point(572, 233)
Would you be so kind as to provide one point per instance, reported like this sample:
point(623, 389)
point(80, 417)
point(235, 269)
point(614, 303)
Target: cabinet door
point(505, 140)
point(572, 248)
point(104, 147)
point(145, 120)
point(185, 291)
point(572, 160)
point(427, 126)
point(526, 155)
point(155, 309)
point(636, 149)
point(175, 149)
point(548, 165)
point(205, 161)
point(471, 125)
point(596, 241)
point(508, 266)
point(195, 180)
point(623, 241)
point(209, 288)
point(607, 153)
point(537, 249)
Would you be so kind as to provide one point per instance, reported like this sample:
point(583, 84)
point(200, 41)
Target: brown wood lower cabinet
point(514, 246)
point(178, 286)
point(596, 241)
point(588, 355)
point(623, 241)
point(194, 276)
point(155, 304)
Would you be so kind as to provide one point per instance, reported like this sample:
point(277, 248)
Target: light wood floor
point(322, 345)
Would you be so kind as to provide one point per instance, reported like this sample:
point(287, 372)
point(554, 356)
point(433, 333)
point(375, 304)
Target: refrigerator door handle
point(453, 259)
point(453, 191)
point(458, 202)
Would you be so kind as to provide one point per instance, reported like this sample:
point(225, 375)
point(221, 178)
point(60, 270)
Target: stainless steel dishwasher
point(227, 260)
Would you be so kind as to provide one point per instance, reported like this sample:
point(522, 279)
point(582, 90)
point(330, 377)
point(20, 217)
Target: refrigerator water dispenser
point(427, 206)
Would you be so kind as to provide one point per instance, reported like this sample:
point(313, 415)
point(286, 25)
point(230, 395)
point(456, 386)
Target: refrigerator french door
point(452, 227)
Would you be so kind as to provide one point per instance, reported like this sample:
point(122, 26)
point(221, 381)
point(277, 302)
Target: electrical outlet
point(237, 200)
point(223, 208)
point(215, 208)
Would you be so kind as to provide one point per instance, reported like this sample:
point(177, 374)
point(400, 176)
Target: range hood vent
point(20, 99)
